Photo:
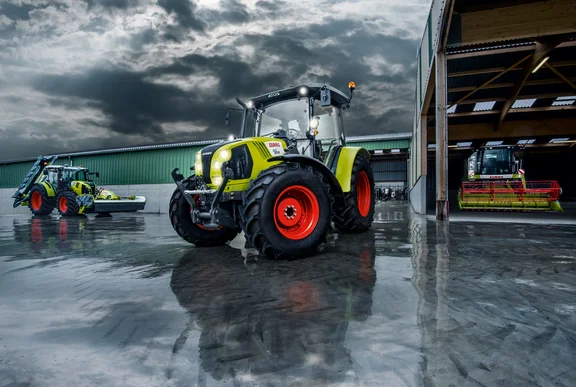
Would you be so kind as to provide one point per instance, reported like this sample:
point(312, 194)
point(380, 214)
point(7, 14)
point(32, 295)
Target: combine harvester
point(70, 190)
point(495, 181)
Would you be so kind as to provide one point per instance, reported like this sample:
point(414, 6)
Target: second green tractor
point(284, 182)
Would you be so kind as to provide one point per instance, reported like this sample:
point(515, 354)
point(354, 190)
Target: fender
point(320, 167)
point(49, 189)
point(344, 161)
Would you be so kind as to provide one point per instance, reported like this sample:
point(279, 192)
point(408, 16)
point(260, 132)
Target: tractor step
point(200, 191)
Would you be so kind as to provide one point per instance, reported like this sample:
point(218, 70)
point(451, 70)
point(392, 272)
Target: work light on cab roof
point(287, 176)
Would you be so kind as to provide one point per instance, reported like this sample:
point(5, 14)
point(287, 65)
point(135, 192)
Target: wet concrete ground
point(123, 301)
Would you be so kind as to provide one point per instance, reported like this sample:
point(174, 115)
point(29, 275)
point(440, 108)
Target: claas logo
point(274, 144)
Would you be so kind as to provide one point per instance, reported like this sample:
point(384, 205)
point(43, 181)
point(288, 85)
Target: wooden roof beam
point(527, 96)
point(543, 18)
point(500, 69)
point(512, 111)
point(561, 76)
point(540, 54)
point(540, 82)
point(560, 127)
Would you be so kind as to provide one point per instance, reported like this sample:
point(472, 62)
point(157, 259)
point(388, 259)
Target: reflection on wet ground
point(123, 301)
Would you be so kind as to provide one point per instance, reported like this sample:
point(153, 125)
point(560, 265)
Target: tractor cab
point(75, 178)
point(305, 117)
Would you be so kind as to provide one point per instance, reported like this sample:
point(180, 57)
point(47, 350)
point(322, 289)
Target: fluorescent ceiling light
point(541, 64)
point(395, 151)
point(523, 103)
point(559, 140)
point(464, 144)
point(431, 146)
point(482, 106)
point(379, 151)
point(494, 143)
point(524, 142)
point(452, 109)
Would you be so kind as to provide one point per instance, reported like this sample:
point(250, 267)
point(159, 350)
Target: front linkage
point(216, 216)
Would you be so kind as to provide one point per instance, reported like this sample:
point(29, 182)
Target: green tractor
point(283, 187)
point(70, 190)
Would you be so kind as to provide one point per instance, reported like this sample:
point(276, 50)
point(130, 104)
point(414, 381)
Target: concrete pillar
point(442, 210)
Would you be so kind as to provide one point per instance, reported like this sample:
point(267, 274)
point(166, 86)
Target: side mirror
point(227, 117)
point(325, 99)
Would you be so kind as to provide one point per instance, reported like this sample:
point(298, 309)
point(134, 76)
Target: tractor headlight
point(224, 155)
point(216, 165)
point(217, 180)
point(314, 123)
point(198, 164)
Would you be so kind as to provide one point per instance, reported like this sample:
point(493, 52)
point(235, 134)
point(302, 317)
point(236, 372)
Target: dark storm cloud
point(133, 105)
point(270, 5)
point(184, 10)
point(130, 71)
point(120, 4)
point(233, 12)
point(16, 11)
point(235, 76)
point(143, 38)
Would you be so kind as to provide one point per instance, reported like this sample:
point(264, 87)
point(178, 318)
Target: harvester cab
point(285, 185)
point(495, 180)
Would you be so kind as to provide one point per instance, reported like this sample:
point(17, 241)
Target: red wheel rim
point(296, 212)
point(63, 204)
point(36, 200)
point(363, 193)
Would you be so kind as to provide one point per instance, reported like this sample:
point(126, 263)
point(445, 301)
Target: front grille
point(241, 162)
point(206, 161)
point(262, 149)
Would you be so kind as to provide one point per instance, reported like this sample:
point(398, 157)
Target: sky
point(93, 74)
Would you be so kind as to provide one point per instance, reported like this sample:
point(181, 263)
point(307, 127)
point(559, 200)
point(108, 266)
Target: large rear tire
point(67, 204)
point(181, 220)
point(39, 202)
point(358, 212)
point(287, 211)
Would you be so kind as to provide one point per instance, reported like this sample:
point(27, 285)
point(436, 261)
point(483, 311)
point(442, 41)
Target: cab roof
point(68, 168)
point(338, 98)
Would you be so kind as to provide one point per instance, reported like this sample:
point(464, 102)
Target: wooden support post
point(441, 137)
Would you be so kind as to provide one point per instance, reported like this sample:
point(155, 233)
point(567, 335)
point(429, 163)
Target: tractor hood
point(241, 155)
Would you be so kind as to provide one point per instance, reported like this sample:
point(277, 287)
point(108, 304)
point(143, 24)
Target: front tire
point(358, 212)
point(181, 220)
point(39, 201)
point(67, 204)
point(287, 211)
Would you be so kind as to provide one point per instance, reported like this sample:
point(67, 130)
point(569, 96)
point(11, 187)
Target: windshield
point(329, 118)
point(71, 175)
point(291, 116)
point(496, 161)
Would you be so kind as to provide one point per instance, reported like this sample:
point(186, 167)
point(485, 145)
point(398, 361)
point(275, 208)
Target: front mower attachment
point(502, 195)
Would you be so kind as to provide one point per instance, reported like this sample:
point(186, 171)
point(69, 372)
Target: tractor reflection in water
point(267, 321)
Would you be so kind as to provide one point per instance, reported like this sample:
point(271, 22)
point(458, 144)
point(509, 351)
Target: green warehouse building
point(145, 170)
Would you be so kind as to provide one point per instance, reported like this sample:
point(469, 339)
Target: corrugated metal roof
point(350, 139)
point(523, 103)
